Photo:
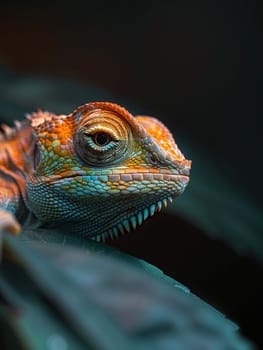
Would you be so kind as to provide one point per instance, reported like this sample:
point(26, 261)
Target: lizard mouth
point(126, 177)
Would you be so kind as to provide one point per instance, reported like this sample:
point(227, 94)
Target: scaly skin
point(98, 171)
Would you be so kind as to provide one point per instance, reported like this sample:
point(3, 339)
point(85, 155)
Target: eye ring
point(101, 139)
point(99, 142)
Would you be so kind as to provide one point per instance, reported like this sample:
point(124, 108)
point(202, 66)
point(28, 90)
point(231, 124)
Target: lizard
point(98, 171)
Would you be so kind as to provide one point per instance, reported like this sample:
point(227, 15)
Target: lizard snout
point(185, 167)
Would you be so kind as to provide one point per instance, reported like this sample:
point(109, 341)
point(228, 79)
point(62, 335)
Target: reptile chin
point(132, 222)
point(135, 216)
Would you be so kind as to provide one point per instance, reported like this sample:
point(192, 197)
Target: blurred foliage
point(62, 292)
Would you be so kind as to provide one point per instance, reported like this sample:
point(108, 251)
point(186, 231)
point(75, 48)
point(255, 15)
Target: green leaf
point(92, 295)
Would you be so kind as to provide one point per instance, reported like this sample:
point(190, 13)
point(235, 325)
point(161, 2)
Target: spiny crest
point(7, 133)
point(37, 118)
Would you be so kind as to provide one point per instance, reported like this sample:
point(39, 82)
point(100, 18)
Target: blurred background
point(192, 64)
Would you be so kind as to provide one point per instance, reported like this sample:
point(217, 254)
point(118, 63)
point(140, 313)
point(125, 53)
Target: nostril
point(153, 159)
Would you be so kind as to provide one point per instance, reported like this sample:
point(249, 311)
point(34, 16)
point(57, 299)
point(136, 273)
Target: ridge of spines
point(7, 133)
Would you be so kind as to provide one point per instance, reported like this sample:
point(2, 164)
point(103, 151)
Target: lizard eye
point(101, 139)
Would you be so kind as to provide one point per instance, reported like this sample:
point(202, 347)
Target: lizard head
point(101, 171)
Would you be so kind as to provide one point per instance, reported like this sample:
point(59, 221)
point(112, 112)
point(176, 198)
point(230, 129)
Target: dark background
point(196, 61)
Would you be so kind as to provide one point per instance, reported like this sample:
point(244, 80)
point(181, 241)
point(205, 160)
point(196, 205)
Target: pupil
point(101, 139)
